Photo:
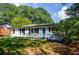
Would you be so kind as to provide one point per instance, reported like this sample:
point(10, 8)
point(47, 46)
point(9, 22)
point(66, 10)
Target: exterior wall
point(47, 30)
point(27, 33)
point(40, 32)
point(17, 33)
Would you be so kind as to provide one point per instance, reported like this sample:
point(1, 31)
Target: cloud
point(17, 4)
point(35, 5)
point(62, 13)
point(64, 8)
point(55, 14)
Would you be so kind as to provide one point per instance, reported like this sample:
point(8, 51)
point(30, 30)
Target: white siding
point(40, 32)
point(47, 30)
point(27, 33)
point(16, 34)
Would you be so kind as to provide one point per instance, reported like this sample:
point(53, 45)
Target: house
point(32, 30)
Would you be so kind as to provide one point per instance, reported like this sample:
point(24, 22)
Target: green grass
point(16, 45)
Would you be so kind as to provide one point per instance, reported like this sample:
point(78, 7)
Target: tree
point(42, 10)
point(39, 18)
point(19, 21)
point(68, 29)
point(25, 10)
point(73, 11)
point(7, 12)
point(40, 15)
point(36, 15)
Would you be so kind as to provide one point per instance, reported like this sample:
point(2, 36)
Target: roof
point(7, 25)
point(37, 25)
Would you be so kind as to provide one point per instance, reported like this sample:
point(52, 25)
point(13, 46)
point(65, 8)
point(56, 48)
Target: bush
point(13, 45)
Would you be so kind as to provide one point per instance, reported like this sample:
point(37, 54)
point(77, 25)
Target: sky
point(56, 10)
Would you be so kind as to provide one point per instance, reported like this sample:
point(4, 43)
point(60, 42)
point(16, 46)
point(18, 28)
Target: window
point(36, 30)
point(32, 30)
point(49, 29)
point(23, 31)
point(20, 31)
point(13, 31)
point(29, 30)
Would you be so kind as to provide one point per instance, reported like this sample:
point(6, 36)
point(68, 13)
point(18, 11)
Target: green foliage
point(7, 12)
point(40, 18)
point(42, 10)
point(73, 11)
point(20, 21)
point(69, 28)
point(40, 15)
point(36, 15)
point(16, 45)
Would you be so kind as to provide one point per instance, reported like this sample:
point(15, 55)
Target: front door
point(43, 32)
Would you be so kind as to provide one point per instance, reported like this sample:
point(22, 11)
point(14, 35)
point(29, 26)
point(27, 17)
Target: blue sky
point(56, 10)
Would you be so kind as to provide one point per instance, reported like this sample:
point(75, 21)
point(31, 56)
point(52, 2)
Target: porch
point(32, 30)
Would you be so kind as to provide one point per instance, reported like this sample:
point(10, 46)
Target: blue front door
point(43, 32)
